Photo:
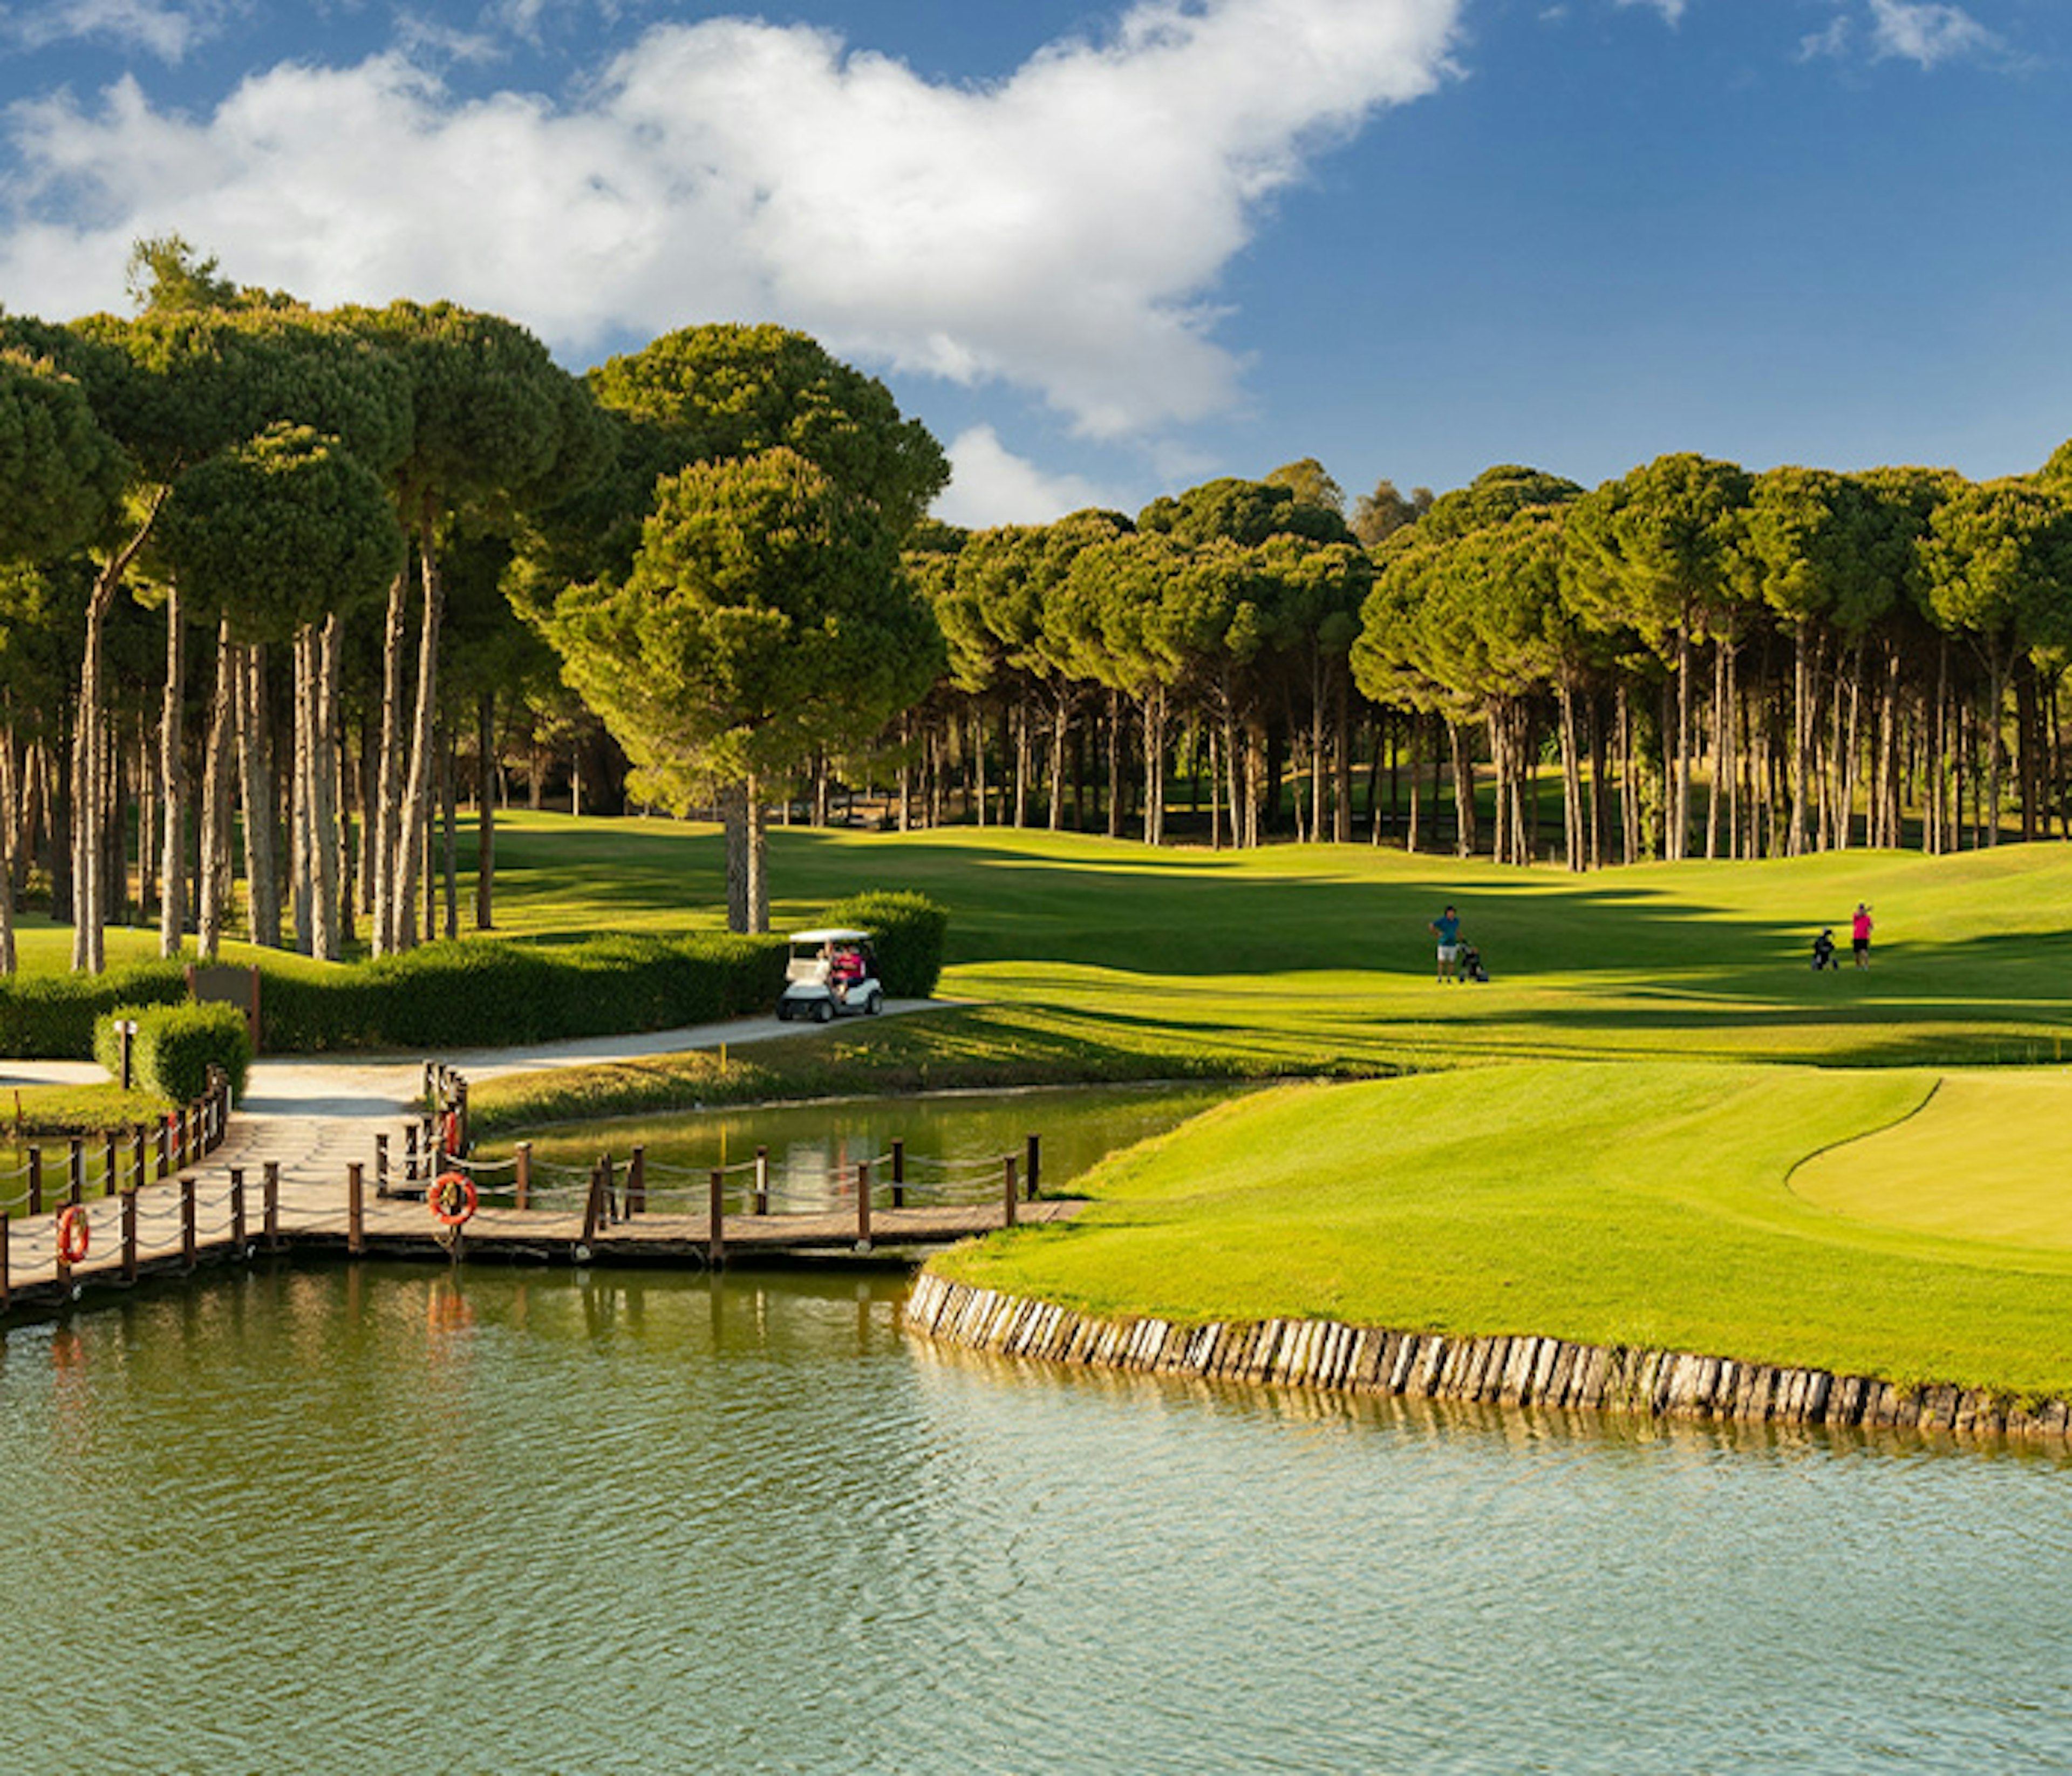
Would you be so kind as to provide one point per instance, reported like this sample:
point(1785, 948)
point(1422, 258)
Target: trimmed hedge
point(175, 1047)
point(907, 930)
point(483, 992)
point(52, 1017)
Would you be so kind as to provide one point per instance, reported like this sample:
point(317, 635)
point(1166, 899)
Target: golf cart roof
point(834, 934)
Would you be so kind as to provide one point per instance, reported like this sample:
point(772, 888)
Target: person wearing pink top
point(1859, 935)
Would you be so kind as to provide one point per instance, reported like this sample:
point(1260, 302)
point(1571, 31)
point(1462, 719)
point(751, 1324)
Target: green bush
point(175, 1045)
point(908, 931)
point(51, 1016)
point(484, 993)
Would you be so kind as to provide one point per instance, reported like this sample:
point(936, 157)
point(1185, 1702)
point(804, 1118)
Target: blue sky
point(1105, 251)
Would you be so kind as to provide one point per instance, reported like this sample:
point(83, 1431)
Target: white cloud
point(1671, 10)
point(990, 485)
point(1833, 41)
point(1918, 31)
point(165, 31)
point(1061, 230)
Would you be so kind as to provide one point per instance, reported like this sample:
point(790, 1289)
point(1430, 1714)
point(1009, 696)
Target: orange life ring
point(75, 1235)
point(452, 1198)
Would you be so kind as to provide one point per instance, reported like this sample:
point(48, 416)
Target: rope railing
point(143, 1196)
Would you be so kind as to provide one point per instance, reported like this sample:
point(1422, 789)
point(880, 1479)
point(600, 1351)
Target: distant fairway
point(1294, 955)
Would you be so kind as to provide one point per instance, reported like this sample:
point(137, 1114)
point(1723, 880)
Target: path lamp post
point(126, 1027)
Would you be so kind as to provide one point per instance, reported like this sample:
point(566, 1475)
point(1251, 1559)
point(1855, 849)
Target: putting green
point(1988, 1158)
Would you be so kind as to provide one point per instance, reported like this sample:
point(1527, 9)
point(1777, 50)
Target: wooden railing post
point(129, 1235)
point(716, 1213)
point(593, 1205)
point(188, 1244)
point(899, 1174)
point(238, 1209)
point(1033, 1157)
point(111, 1164)
point(409, 1154)
point(611, 1188)
point(381, 1164)
point(36, 1180)
point(862, 1203)
point(356, 1208)
point(636, 1183)
point(523, 1185)
point(1007, 1172)
point(139, 1165)
point(165, 1150)
point(270, 1186)
point(762, 1180)
point(76, 1171)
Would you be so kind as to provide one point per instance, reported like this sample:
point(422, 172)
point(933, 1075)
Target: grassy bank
point(1647, 1204)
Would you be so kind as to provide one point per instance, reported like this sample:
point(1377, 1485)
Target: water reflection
point(410, 1520)
point(953, 1143)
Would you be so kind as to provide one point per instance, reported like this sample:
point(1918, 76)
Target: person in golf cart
point(831, 973)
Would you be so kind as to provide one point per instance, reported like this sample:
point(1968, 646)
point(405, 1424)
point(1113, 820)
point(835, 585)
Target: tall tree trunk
point(1116, 749)
point(88, 953)
point(1410, 831)
point(1152, 707)
point(417, 786)
point(449, 825)
point(322, 786)
point(301, 820)
point(485, 812)
point(213, 883)
point(1342, 759)
point(388, 781)
point(1680, 800)
point(9, 802)
point(1572, 840)
point(255, 748)
point(1061, 722)
point(1464, 789)
point(1721, 766)
point(733, 818)
point(173, 780)
point(1630, 836)
point(755, 859)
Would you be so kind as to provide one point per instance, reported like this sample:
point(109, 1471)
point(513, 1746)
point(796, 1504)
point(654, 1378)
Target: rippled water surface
point(364, 1522)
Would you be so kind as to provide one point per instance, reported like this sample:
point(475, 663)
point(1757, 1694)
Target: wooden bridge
point(215, 1187)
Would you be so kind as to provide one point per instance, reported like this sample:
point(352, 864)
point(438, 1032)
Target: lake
point(394, 1518)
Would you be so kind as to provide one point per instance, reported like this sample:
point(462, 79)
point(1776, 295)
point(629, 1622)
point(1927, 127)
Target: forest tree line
point(275, 582)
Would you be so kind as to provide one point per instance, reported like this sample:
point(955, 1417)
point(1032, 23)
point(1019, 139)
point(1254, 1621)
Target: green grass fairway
point(1986, 1160)
point(1694, 1142)
point(1644, 1203)
point(1293, 955)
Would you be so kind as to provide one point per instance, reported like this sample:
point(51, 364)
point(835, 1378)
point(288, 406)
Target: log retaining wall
point(1506, 1370)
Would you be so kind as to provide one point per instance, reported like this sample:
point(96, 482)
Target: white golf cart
point(832, 974)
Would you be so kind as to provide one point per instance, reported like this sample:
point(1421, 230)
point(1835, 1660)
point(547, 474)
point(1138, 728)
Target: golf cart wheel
point(823, 1010)
point(872, 1005)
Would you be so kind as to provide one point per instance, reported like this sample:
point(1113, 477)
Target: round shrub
point(174, 1047)
point(908, 931)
